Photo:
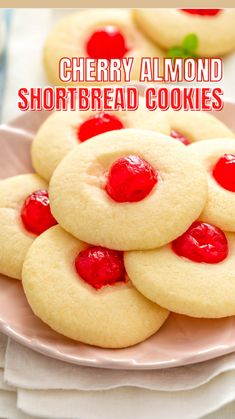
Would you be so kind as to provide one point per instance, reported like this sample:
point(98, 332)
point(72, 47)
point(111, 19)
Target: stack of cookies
point(130, 216)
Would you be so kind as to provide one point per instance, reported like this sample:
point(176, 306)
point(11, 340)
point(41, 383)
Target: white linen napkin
point(50, 388)
point(128, 403)
point(3, 344)
point(21, 364)
point(8, 394)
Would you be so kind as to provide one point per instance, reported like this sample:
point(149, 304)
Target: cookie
point(192, 126)
point(97, 33)
point(169, 27)
point(113, 316)
point(64, 130)
point(23, 215)
point(198, 280)
point(128, 189)
point(218, 158)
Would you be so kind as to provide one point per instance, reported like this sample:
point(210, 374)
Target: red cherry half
point(99, 266)
point(203, 12)
point(98, 124)
point(202, 242)
point(36, 213)
point(108, 43)
point(130, 179)
point(180, 137)
point(224, 172)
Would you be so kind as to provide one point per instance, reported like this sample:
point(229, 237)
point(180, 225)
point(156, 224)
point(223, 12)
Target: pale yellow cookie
point(183, 286)
point(59, 133)
point(168, 28)
point(112, 317)
point(82, 206)
point(69, 38)
point(197, 126)
point(220, 206)
point(15, 240)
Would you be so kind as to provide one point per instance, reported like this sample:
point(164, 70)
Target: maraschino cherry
point(130, 179)
point(99, 266)
point(107, 42)
point(180, 137)
point(98, 124)
point(203, 12)
point(36, 213)
point(202, 242)
point(224, 172)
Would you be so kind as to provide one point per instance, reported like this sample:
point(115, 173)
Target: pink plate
point(181, 340)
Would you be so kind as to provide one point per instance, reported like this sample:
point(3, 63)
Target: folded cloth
point(226, 412)
point(28, 369)
point(55, 389)
point(8, 406)
point(3, 344)
point(128, 403)
point(8, 395)
point(3, 385)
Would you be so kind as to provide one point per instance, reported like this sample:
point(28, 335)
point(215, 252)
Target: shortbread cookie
point(168, 28)
point(191, 126)
point(194, 276)
point(129, 189)
point(218, 158)
point(64, 130)
point(97, 33)
point(24, 213)
point(112, 316)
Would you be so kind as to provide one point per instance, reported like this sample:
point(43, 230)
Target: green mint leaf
point(187, 49)
point(190, 43)
point(176, 52)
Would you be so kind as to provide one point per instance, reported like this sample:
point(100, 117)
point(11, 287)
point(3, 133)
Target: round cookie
point(196, 125)
point(182, 285)
point(82, 206)
point(114, 317)
point(168, 28)
point(15, 240)
point(220, 205)
point(70, 36)
point(60, 133)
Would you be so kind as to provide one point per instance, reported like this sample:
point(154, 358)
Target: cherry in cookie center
point(107, 42)
point(180, 137)
point(202, 242)
point(98, 124)
point(130, 179)
point(100, 267)
point(203, 12)
point(36, 213)
point(224, 172)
